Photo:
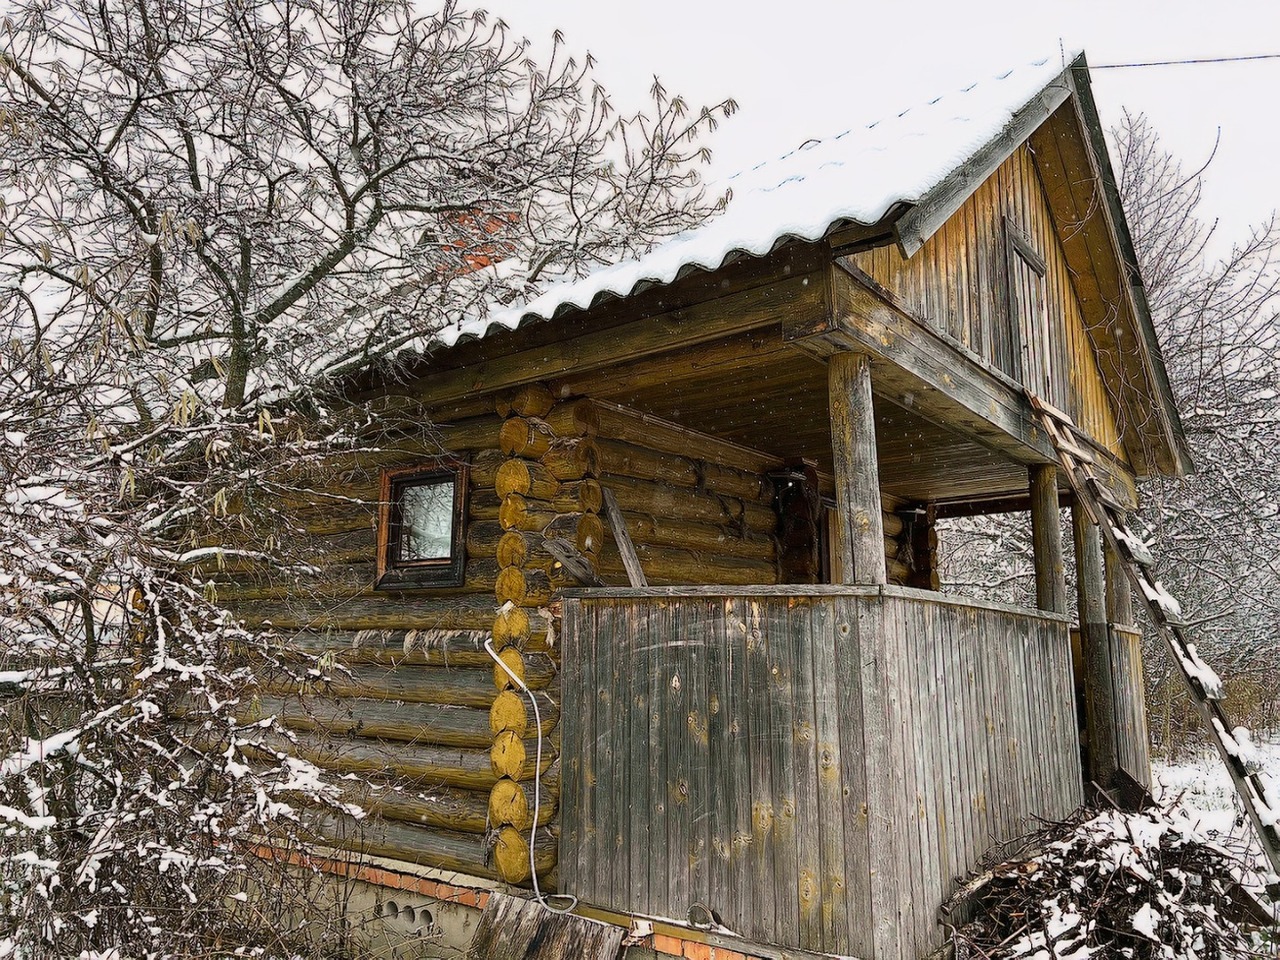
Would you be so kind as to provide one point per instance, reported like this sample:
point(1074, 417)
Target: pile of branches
point(1114, 884)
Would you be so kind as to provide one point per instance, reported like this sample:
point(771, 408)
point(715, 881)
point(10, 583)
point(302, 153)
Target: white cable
point(537, 789)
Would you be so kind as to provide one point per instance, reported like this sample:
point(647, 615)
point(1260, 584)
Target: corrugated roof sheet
point(854, 177)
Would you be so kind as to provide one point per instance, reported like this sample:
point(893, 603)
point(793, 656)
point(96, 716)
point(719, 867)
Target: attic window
point(420, 525)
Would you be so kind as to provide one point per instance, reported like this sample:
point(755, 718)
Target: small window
point(420, 521)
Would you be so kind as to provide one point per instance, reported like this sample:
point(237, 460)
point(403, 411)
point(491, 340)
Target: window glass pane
point(426, 521)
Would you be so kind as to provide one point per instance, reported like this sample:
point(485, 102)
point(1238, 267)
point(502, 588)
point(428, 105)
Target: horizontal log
point(512, 625)
point(618, 458)
point(417, 763)
point(572, 459)
point(511, 856)
point(668, 566)
point(574, 496)
point(529, 478)
point(485, 465)
point(340, 583)
point(525, 588)
point(694, 535)
point(531, 400)
point(526, 437)
point(511, 804)
point(418, 647)
point(460, 686)
point(657, 500)
point(372, 612)
point(513, 711)
point(523, 548)
point(516, 513)
point(444, 850)
point(443, 725)
point(893, 524)
point(400, 411)
point(620, 423)
point(897, 571)
point(447, 808)
point(508, 755)
point(585, 531)
point(573, 418)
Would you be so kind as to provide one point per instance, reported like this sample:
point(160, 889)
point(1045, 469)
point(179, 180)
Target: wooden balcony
point(814, 765)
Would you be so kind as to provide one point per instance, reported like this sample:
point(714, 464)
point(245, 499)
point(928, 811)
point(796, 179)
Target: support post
point(1100, 717)
point(853, 446)
point(1129, 682)
point(1046, 539)
point(1119, 597)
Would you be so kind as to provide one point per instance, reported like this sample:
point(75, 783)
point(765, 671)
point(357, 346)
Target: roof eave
point(1179, 461)
point(921, 220)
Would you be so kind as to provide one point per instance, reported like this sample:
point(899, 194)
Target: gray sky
point(801, 68)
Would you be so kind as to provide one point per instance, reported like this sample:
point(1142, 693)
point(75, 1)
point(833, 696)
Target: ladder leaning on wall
point(1234, 744)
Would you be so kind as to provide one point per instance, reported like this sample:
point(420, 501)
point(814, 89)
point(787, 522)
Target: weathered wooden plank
point(512, 928)
point(806, 689)
point(740, 811)
point(840, 783)
point(618, 527)
point(676, 742)
point(571, 743)
point(843, 718)
point(889, 879)
point(613, 766)
point(722, 712)
point(780, 717)
point(763, 788)
point(640, 656)
point(693, 656)
point(589, 799)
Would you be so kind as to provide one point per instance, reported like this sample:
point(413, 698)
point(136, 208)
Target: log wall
point(958, 282)
point(816, 765)
point(410, 701)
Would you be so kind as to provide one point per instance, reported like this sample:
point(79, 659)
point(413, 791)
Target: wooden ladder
point(1069, 441)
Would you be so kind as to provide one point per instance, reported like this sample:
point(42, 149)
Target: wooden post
point(1100, 718)
point(1046, 539)
point(860, 525)
point(1119, 598)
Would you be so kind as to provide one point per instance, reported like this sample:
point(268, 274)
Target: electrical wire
point(1182, 63)
point(537, 790)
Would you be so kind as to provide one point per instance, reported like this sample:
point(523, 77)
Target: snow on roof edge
point(799, 203)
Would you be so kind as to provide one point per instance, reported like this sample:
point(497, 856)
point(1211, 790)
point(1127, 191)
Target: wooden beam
point(795, 296)
point(1046, 539)
point(860, 525)
point(627, 549)
point(920, 370)
point(931, 375)
point(1099, 697)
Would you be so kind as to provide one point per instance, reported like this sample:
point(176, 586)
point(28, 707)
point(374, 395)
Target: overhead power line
point(1180, 63)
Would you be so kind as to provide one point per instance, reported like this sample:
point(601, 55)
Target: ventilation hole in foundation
point(425, 920)
point(390, 909)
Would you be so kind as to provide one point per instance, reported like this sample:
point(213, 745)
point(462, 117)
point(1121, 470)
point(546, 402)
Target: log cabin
point(651, 613)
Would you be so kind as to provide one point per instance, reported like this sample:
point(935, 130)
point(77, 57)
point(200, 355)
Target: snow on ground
point(1205, 789)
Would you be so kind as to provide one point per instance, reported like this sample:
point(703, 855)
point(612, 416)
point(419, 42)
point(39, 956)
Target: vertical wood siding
point(816, 766)
point(958, 282)
point(1133, 749)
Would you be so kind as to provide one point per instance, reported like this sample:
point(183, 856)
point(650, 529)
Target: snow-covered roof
point(855, 177)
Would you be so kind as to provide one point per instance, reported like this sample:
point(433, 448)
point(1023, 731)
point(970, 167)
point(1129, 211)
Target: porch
point(812, 765)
